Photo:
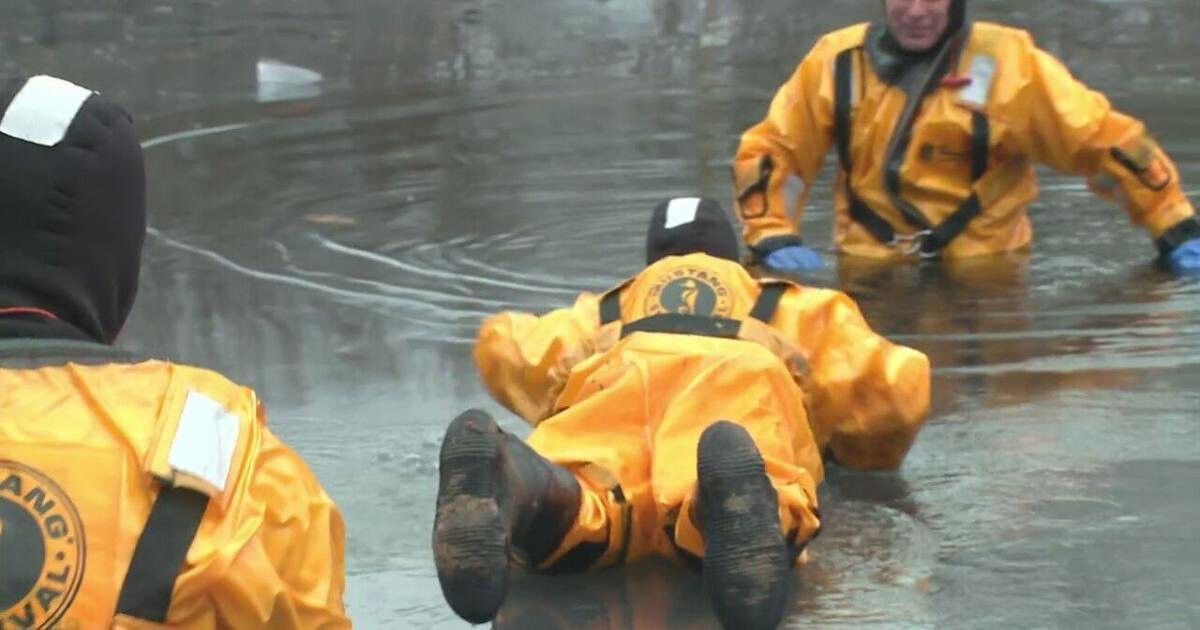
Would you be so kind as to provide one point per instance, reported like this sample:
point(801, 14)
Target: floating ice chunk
point(274, 71)
point(278, 81)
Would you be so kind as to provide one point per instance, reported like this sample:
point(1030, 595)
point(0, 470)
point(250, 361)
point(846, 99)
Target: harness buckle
point(911, 244)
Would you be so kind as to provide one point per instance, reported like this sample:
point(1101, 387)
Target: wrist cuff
point(763, 248)
point(1177, 234)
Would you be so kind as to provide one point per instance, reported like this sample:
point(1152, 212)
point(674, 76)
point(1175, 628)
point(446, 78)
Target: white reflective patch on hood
point(681, 210)
point(43, 110)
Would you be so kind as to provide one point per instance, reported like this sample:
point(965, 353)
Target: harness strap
point(768, 301)
point(684, 324)
point(981, 132)
point(679, 324)
point(940, 236)
point(160, 552)
point(843, 67)
point(927, 242)
point(610, 306)
point(843, 81)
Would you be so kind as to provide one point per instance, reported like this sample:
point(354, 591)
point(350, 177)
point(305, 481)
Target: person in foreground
point(683, 413)
point(133, 493)
point(938, 122)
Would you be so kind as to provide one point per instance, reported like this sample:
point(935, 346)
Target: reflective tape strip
point(43, 110)
point(983, 70)
point(205, 440)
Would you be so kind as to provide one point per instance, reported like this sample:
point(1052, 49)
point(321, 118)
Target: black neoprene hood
point(73, 218)
point(701, 225)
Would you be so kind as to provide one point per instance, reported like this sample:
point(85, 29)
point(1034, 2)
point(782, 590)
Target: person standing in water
point(938, 122)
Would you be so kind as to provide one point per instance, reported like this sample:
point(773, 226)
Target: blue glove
point(1186, 257)
point(801, 258)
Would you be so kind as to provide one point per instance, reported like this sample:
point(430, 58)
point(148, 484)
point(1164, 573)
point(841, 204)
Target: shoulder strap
point(843, 82)
point(768, 301)
point(843, 85)
point(610, 306)
point(954, 225)
point(160, 552)
point(958, 220)
point(980, 140)
point(680, 324)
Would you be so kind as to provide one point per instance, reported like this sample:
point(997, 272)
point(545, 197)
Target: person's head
point(690, 225)
point(72, 205)
point(919, 25)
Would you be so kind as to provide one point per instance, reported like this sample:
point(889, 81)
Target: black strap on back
point(610, 306)
point(768, 301)
point(708, 325)
point(160, 553)
point(680, 324)
point(941, 235)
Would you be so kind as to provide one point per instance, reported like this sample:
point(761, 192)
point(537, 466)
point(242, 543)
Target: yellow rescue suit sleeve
point(268, 549)
point(273, 558)
point(525, 360)
point(868, 396)
point(793, 139)
point(1070, 127)
point(292, 574)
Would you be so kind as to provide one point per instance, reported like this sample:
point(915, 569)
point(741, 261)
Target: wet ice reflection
point(337, 251)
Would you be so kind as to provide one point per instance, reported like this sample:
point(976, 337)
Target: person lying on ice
point(683, 413)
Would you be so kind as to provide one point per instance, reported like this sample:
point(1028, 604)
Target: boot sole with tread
point(747, 568)
point(470, 538)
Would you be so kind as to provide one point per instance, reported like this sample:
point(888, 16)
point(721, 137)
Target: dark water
point(336, 252)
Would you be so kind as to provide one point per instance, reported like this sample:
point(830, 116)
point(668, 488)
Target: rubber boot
point(496, 498)
point(747, 567)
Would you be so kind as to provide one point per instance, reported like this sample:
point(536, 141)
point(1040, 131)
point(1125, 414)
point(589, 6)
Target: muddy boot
point(496, 498)
point(747, 567)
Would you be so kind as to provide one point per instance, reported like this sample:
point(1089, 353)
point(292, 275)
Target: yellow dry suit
point(945, 165)
point(149, 495)
point(620, 386)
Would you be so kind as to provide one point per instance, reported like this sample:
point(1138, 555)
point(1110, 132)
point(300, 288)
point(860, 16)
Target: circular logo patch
point(41, 548)
point(690, 291)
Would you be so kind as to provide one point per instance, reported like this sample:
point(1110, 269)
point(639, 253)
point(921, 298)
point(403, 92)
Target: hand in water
point(1185, 259)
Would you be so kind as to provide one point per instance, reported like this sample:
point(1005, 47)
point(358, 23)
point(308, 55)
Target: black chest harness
point(685, 324)
point(929, 239)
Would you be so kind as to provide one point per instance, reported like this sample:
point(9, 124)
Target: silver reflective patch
point(43, 110)
point(205, 440)
point(983, 70)
point(681, 210)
